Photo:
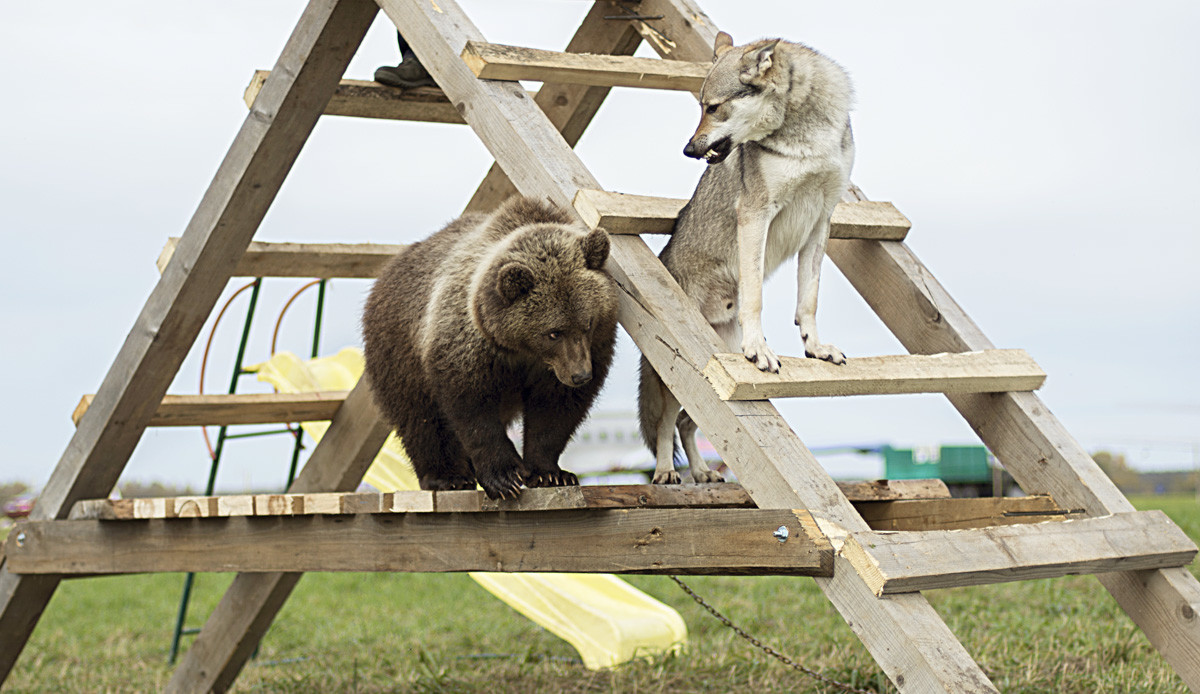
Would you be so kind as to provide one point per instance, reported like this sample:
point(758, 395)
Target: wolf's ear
point(595, 248)
point(755, 63)
point(515, 280)
point(723, 43)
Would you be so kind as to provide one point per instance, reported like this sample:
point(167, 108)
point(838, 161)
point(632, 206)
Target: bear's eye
point(553, 335)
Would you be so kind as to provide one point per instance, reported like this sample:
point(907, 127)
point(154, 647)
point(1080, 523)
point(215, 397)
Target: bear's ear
point(515, 280)
point(595, 248)
point(723, 43)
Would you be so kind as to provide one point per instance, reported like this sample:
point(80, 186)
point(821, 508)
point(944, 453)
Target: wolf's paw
point(552, 478)
point(827, 353)
point(759, 354)
point(703, 476)
point(669, 477)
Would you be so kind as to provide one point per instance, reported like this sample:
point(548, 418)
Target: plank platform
point(718, 495)
point(494, 61)
point(622, 213)
point(959, 514)
point(892, 562)
point(673, 541)
point(365, 99)
point(987, 371)
point(308, 260)
point(241, 408)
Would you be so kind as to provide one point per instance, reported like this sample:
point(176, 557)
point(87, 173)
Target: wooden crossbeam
point(675, 541)
point(541, 499)
point(621, 213)
point(239, 408)
point(989, 371)
point(315, 260)
point(494, 61)
point(958, 514)
point(364, 99)
point(893, 562)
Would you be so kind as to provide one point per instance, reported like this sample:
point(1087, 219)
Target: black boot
point(409, 74)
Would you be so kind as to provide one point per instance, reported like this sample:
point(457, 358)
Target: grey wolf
point(492, 317)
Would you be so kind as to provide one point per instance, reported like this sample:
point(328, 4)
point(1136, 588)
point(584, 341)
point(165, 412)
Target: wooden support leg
point(1023, 434)
point(249, 606)
point(244, 186)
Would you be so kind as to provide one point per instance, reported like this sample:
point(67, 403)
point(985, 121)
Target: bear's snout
point(581, 377)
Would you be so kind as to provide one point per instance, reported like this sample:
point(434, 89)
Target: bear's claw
point(556, 478)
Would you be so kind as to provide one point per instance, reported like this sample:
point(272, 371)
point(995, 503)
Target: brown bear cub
point(493, 317)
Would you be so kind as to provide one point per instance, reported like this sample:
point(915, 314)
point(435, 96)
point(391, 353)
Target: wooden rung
point(498, 62)
point(540, 499)
point(679, 541)
point(315, 260)
point(957, 514)
point(373, 100)
point(249, 408)
point(620, 213)
point(902, 562)
point(988, 371)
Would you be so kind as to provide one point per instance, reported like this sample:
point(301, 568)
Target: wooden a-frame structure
point(871, 576)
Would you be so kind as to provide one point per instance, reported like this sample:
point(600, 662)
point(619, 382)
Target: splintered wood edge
point(987, 371)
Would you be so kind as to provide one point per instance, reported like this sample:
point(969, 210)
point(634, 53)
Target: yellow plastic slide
point(607, 620)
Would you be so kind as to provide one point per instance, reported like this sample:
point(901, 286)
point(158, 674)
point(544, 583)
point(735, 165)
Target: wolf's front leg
point(808, 277)
point(752, 229)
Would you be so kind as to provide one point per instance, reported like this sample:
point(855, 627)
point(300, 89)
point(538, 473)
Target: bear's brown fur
point(492, 317)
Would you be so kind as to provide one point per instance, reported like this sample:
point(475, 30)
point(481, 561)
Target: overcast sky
point(1045, 152)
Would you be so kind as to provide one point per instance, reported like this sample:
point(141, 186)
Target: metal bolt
point(781, 533)
point(20, 539)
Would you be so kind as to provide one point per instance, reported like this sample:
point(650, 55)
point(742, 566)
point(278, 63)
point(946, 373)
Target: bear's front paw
point(447, 484)
point(505, 484)
point(552, 478)
point(669, 477)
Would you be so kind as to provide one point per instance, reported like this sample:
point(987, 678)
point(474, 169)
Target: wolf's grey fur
point(775, 130)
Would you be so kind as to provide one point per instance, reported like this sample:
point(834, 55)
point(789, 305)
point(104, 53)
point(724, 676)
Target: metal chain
point(764, 647)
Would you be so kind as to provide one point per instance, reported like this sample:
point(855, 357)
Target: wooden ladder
point(870, 571)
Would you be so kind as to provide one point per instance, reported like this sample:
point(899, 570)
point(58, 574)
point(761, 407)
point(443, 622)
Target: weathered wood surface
point(493, 61)
point(989, 371)
point(892, 562)
point(237, 408)
point(246, 182)
point(540, 499)
point(365, 99)
point(957, 514)
point(623, 213)
point(685, 541)
point(315, 260)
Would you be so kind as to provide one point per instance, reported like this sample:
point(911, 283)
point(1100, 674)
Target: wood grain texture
point(893, 562)
point(957, 514)
point(308, 260)
point(684, 541)
point(493, 61)
point(623, 213)
point(365, 99)
point(989, 371)
point(237, 408)
point(246, 182)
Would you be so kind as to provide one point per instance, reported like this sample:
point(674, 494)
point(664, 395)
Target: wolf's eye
point(553, 335)
point(710, 109)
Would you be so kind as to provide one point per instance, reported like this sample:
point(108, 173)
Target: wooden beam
point(959, 514)
point(364, 99)
point(989, 371)
point(541, 499)
point(893, 562)
point(671, 541)
point(239, 408)
point(246, 182)
point(309, 260)
point(494, 61)
point(621, 213)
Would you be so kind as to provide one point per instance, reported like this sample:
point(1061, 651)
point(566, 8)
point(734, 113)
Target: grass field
point(442, 633)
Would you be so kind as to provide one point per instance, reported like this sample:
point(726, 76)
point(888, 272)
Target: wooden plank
point(309, 260)
point(541, 499)
point(246, 182)
point(494, 61)
point(365, 99)
point(989, 371)
point(622, 213)
point(674, 541)
point(958, 514)
point(892, 562)
point(237, 408)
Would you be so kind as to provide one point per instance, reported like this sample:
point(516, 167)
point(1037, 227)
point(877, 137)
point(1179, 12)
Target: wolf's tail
point(650, 409)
